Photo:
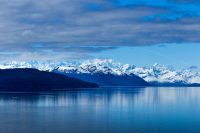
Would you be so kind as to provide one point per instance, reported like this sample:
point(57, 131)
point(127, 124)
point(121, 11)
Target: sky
point(140, 32)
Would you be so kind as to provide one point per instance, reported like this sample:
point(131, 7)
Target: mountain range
point(124, 74)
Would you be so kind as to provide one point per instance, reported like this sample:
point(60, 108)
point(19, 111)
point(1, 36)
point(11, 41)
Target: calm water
point(103, 110)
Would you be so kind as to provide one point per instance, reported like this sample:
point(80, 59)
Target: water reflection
point(81, 97)
point(143, 110)
point(103, 96)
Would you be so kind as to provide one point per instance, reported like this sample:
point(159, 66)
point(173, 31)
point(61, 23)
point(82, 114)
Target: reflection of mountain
point(33, 80)
point(76, 97)
point(107, 97)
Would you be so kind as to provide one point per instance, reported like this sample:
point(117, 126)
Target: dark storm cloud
point(82, 26)
point(57, 47)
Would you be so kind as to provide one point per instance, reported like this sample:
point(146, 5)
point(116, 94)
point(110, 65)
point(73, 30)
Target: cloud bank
point(73, 29)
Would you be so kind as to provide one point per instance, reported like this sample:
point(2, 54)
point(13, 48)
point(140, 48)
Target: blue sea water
point(102, 110)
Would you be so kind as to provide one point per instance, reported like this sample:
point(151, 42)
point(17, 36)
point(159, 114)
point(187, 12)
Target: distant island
point(29, 79)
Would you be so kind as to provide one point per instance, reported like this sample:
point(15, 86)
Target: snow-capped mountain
point(164, 74)
point(156, 73)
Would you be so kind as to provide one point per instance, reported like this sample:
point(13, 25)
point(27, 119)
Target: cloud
point(193, 67)
point(69, 48)
point(186, 1)
point(82, 26)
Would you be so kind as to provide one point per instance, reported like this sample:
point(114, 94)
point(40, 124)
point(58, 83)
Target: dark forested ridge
point(35, 80)
point(109, 79)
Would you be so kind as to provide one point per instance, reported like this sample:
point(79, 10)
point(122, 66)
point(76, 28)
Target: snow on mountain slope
point(155, 73)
